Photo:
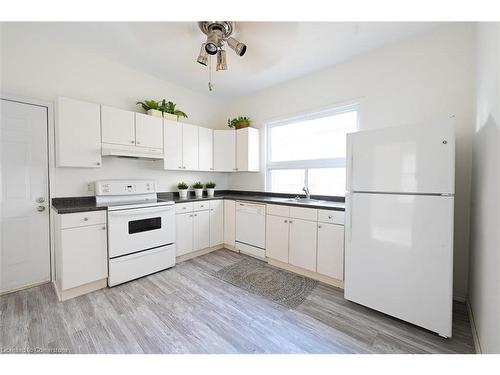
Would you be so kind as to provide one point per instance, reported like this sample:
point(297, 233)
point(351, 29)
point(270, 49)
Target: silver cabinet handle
point(329, 216)
point(319, 226)
point(183, 208)
point(286, 221)
point(132, 141)
point(104, 228)
point(40, 208)
point(85, 219)
point(290, 221)
point(179, 167)
point(40, 200)
point(98, 163)
point(138, 143)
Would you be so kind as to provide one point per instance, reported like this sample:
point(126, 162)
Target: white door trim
point(50, 161)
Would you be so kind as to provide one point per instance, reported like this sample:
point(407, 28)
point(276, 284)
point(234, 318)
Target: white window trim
point(306, 164)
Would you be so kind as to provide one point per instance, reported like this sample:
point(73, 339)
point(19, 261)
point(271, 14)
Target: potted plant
point(169, 112)
point(239, 122)
point(152, 107)
point(198, 189)
point(183, 190)
point(210, 188)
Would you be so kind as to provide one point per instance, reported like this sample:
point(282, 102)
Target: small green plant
point(169, 107)
point(239, 122)
point(182, 186)
point(197, 185)
point(210, 185)
point(149, 104)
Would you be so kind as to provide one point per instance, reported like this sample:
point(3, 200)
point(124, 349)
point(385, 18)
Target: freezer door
point(406, 159)
point(399, 257)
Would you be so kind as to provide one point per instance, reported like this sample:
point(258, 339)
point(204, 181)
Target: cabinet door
point(118, 126)
point(229, 222)
point(224, 150)
point(189, 147)
point(205, 149)
point(148, 131)
point(247, 150)
point(78, 134)
point(331, 250)
point(172, 144)
point(184, 233)
point(216, 222)
point(84, 255)
point(302, 248)
point(201, 230)
point(277, 238)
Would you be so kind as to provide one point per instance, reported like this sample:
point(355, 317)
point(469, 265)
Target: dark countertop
point(82, 204)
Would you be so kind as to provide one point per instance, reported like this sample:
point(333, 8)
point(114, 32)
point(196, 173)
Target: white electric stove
point(141, 229)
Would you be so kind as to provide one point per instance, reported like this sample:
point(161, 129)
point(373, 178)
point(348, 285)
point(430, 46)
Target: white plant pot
point(170, 116)
point(198, 193)
point(210, 192)
point(183, 194)
point(154, 112)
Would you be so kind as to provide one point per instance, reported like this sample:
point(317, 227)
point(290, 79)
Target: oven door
point(138, 229)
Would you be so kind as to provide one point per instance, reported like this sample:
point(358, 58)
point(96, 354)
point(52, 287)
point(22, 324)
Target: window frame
point(339, 162)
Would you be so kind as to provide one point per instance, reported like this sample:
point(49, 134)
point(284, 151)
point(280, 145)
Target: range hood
point(109, 149)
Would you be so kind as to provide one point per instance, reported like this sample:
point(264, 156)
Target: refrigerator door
point(399, 256)
point(405, 159)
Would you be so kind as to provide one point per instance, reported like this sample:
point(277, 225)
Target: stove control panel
point(124, 187)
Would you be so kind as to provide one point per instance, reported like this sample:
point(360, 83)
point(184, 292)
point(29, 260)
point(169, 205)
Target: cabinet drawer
point(181, 208)
point(81, 219)
point(200, 206)
point(278, 210)
point(310, 214)
point(331, 216)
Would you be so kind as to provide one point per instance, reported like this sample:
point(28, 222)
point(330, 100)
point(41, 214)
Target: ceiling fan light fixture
point(203, 57)
point(213, 42)
point(221, 60)
point(236, 46)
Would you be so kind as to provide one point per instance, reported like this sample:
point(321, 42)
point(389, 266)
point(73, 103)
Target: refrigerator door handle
point(349, 214)
point(350, 166)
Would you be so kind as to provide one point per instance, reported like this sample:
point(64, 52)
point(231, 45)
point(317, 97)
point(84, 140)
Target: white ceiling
point(277, 51)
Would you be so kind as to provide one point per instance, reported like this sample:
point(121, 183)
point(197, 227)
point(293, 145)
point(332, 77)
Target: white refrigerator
point(399, 223)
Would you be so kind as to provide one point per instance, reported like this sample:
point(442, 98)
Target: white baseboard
point(64, 295)
point(477, 344)
point(27, 286)
point(197, 253)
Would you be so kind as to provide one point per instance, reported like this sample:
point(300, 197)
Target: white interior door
point(24, 233)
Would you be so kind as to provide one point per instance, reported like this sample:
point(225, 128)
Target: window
point(310, 151)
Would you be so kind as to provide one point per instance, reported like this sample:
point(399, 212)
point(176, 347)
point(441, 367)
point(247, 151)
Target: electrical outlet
point(90, 187)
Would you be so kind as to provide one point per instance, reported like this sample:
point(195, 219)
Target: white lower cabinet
point(302, 248)
point(307, 238)
point(331, 250)
point(81, 251)
point(216, 222)
point(277, 231)
point(184, 233)
point(201, 231)
point(192, 228)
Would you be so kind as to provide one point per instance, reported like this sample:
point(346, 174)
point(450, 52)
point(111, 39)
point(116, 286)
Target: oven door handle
point(139, 211)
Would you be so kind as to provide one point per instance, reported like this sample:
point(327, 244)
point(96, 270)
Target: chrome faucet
point(305, 189)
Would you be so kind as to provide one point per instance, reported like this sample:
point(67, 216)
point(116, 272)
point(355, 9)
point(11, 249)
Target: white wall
point(484, 289)
point(426, 78)
point(35, 67)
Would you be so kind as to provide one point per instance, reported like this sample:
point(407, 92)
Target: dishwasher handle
point(257, 209)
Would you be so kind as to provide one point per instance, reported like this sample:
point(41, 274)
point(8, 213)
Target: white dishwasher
point(251, 229)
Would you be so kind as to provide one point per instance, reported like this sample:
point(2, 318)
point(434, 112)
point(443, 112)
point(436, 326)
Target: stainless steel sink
point(303, 200)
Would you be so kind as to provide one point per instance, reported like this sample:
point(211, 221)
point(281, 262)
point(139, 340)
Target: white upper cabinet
point(148, 131)
point(78, 134)
point(118, 126)
point(189, 147)
point(247, 150)
point(224, 150)
point(205, 149)
point(172, 144)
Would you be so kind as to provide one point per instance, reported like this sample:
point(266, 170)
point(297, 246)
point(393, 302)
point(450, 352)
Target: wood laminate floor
point(187, 310)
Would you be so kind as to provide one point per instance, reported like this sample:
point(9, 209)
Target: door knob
point(40, 208)
point(40, 200)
